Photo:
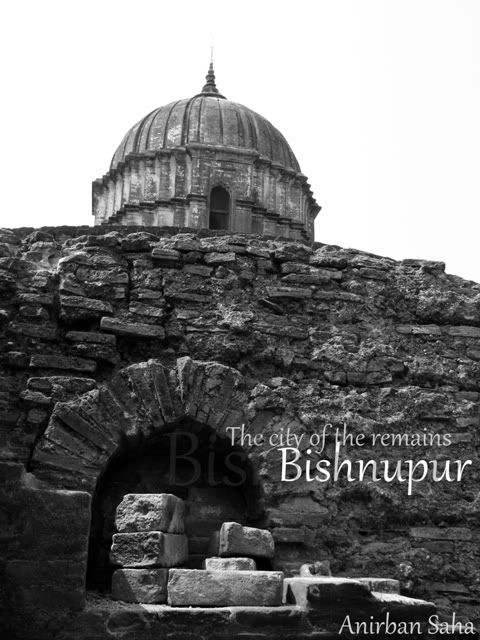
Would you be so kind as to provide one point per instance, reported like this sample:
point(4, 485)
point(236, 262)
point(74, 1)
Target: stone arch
point(139, 400)
point(83, 435)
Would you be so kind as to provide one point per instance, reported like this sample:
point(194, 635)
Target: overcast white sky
point(380, 101)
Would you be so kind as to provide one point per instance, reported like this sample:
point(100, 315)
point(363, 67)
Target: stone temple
point(206, 163)
point(197, 307)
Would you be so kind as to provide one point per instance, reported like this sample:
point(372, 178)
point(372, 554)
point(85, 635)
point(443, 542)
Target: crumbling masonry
point(115, 340)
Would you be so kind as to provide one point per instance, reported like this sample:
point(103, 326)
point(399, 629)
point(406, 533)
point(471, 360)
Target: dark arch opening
point(189, 460)
point(219, 208)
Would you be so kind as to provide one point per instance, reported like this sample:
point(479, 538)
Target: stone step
point(382, 585)
point(150, 512)
point(150, 548)
point(101, 620)
point(402, 607)
point(307, 592)
point(201, 588)
point(333, 599)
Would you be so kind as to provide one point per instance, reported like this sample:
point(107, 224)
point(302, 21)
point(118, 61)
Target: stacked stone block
point(236, 541)
point(151, 539)
point(230, 577)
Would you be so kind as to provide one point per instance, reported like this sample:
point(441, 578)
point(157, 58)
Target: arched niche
point(190, 460)
point(219, 208)
point(129, 421)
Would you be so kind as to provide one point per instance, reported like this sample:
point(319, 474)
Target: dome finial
point(210, 88)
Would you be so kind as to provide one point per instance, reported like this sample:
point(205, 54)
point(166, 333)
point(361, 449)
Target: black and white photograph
point(240, 320)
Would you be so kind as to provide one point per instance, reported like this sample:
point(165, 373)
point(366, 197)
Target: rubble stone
point(131, 329)
point(62, 362)
point(321, 589)
point(147, 586)
point(401, 351)
point(230, 564)
point(150, 512)
point(152, 548)
point(237, 540)
point(318, 568)
point(382, 585)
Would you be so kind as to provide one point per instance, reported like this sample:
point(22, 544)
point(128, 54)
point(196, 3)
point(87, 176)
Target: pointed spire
point(210, 88)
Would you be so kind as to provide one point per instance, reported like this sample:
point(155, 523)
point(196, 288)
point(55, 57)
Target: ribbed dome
point(206, 163)
point(209, 119)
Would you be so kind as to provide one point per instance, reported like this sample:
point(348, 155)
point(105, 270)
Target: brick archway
point(81, 437)
point(141, 399)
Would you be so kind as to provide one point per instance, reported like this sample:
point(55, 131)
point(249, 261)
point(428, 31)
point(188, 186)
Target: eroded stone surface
point(198, 588)
point(150, 512)
point(152, 548)
point(378, 343)
point(318, 568)
point(147, 586)
point(321, 590)
point(404, 608)
point(331, 599)
point(237, 540)
point(131, 329)
point(230, 564)
point(101, 621)
point(382, 585)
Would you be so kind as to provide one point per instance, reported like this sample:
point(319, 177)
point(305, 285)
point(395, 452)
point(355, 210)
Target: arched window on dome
point(219, 208)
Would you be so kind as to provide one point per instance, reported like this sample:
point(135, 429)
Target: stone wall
point(296, 336)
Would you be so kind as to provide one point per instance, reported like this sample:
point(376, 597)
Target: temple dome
point(206, 162)
point(211, 120)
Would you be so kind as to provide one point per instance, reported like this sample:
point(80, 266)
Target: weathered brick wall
point(320, 335)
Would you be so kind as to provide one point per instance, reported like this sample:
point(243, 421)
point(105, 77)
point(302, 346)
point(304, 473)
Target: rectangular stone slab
point(237, 540)
point(147, 586)
point(131, 329)
point(230, 564)
point(149, 549)
point(382, 585)
point(200, 588)
point(321, 590)
point(150, 512)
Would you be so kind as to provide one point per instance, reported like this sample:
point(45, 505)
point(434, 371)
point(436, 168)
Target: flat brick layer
point(198, 588)
point(150, 512)
point(147, 586)
point(230, 564)
point(151, 548)
point(236, 540)
point(131, 329)
point(381, 585)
